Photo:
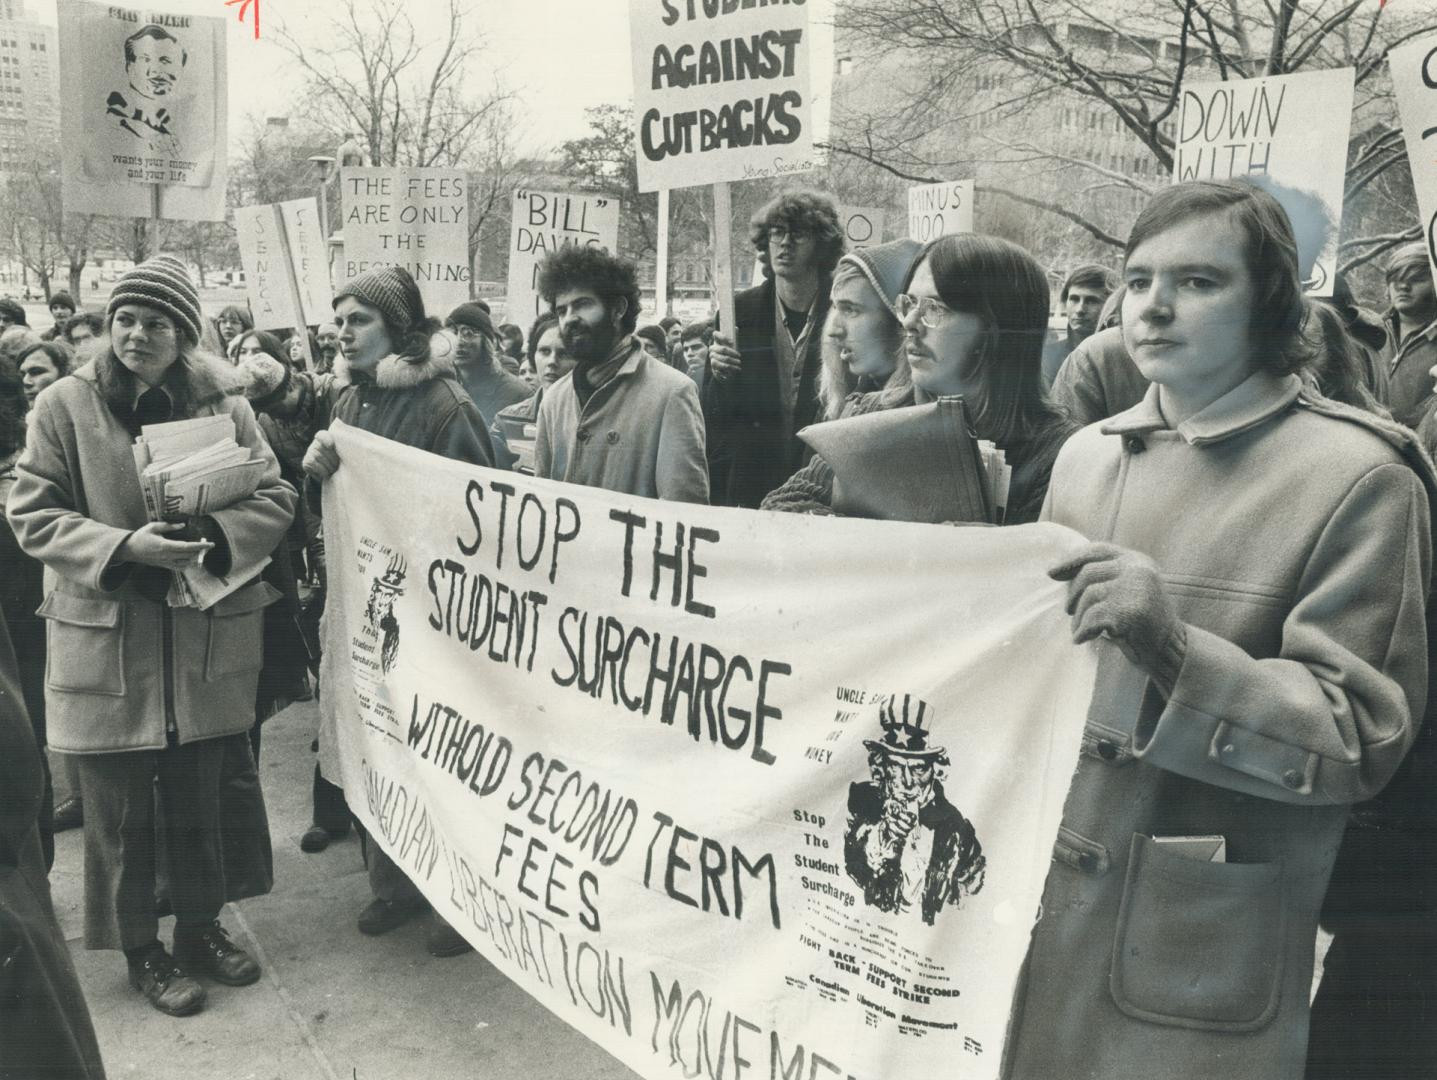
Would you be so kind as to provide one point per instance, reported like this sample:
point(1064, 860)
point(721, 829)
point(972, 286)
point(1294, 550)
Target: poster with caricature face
point(143, 95)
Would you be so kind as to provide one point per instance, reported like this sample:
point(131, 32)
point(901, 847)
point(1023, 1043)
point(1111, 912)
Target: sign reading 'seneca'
point(721, 90)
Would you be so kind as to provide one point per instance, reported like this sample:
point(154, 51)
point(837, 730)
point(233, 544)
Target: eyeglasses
point(782, 232)
point(468, 333)
point(932, 312)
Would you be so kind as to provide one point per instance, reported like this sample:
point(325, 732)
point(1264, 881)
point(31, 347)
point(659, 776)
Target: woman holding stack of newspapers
point(154, 608)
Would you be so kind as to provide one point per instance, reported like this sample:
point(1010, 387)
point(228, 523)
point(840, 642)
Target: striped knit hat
point(393, 291)
point(162, 283)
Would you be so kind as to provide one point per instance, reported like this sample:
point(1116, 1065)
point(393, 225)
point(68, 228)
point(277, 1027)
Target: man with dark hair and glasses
point(476, 354)
point(762, 381)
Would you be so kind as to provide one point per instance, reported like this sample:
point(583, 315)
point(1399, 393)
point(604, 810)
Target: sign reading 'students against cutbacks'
point(721, 90)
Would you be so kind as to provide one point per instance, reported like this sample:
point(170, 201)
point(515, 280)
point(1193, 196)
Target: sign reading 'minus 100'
point(721, 90)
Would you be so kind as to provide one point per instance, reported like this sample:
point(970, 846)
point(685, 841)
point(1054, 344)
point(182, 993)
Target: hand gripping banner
point(733, 793)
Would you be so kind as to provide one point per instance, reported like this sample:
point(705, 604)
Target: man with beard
point(328, 338)
point(491, 387)
point(1084, 293)
point(762, 381)
point(620, 420)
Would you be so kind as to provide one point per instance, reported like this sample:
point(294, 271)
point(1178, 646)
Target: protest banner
point(721, 92)
point(286, 276)
point(1287, 133)
point(544, 221)
point(862, 225)
point(1414, 82)
point(142, 106)
point(935, 210)
point(409, 217)
point(639, 754)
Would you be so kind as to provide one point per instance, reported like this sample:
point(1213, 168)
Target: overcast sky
point(558, 55)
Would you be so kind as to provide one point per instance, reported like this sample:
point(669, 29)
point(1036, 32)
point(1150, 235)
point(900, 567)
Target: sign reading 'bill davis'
point(722, 821)
point(721, 91)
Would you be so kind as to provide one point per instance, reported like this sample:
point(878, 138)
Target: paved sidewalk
point(333, 1004)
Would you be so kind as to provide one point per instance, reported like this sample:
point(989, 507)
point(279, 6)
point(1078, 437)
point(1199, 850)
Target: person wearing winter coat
point(148, 697)
point(973, 313)
point(403, 386)
point(621, 420)
point(478, 358)
point(1259, 568)
point(761, 386)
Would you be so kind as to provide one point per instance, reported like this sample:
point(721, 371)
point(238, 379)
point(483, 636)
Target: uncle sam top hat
point(905, 729)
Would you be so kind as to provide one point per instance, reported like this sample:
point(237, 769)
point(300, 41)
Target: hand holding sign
point(724, 360)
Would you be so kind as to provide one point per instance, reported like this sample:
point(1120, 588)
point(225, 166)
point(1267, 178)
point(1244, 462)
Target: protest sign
point(286, 275)
point(639, 754)
point(1287, 133)
point(142, 103)
point(862, 225)
point(544, 221)
point(1414, 82)
point(721, 91)
point(409, 217)
point(935, 210)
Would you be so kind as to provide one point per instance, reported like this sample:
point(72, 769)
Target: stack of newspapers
point(190, 468)
point(999, 475)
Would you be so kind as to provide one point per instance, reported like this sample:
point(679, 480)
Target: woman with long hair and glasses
point(974, 319)
point(148, 697)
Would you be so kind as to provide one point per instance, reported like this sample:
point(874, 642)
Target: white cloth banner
point(625, 747)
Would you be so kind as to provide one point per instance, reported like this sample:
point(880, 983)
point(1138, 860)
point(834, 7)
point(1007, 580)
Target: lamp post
point(323, 162)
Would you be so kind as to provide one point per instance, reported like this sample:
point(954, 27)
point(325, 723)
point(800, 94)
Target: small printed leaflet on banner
point(721, 91)
point(661, 778)
point(1287, 133)
point(190, 468)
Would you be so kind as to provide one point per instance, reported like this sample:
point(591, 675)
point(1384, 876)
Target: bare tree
point(984, 66)
point(404, 93)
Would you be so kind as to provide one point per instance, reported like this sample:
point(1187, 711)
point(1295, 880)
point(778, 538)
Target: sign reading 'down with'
point(544, 221)
point(935, 210)
point(1414, 81)
point(414, 218)
point(1289, 134)
point(721, 91)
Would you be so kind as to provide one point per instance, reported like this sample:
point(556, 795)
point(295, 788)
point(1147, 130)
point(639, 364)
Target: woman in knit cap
point(403, 387)
point(479, 363)
point(148, 697)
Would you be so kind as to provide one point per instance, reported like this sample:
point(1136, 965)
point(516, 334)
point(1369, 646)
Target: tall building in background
point(29, 85)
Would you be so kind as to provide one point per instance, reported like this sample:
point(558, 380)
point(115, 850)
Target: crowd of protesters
point(1251, 468)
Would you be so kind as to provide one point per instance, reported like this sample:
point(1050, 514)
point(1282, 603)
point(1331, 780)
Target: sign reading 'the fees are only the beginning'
point(656, 770)
point(721, 91)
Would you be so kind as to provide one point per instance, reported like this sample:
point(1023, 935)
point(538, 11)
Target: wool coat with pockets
point(1294, 538)
point(119, 658)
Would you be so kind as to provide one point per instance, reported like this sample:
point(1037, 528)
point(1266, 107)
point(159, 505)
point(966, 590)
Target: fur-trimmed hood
point(396, 372)
point(197, 379)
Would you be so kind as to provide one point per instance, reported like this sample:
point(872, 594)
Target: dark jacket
point(45, 1027)
point(418, 404)
point(1409, 386)
point(1098, 379)
point(750, 451)
point(492, 388)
